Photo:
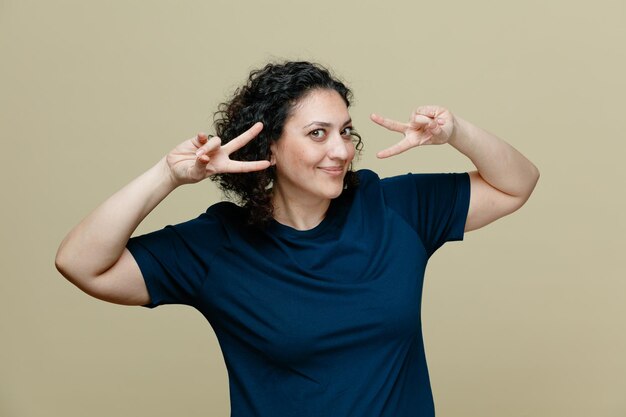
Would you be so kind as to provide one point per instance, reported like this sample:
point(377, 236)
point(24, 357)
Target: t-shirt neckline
point(332, 217)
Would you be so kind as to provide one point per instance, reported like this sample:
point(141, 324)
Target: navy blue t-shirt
point(322, 322)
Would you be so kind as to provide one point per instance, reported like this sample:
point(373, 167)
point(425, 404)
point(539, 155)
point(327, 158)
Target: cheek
point(351, 151)
point(295, 161)
point(307, 157)
point(299, 159)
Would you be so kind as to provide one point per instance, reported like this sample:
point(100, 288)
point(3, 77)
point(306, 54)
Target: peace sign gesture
point(198, 158)
point(428, 125)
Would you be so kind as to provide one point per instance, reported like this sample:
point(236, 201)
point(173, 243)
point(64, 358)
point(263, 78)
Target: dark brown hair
point(269, 96)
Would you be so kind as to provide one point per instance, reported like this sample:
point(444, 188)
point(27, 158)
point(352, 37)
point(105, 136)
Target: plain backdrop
point(526, 317)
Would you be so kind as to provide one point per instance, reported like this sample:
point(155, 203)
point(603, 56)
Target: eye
point(347, 131)
point(318, 134)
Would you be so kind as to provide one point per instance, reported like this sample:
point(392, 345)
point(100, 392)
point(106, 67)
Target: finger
point(430, 111)
point(201, 163)
point(213, 144)
point(241, 140)
point(388, 123)
point(423, 121)
point(394, 150)
point(200, 139)
point(247, 166)
point(435, 130)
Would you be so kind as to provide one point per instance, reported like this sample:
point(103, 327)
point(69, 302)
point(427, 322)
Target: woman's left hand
point(428, 125)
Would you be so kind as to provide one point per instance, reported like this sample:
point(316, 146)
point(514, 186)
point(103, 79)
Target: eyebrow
point(326, 124)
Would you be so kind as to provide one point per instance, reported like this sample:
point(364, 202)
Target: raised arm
point(504, 178)
point(93, 256)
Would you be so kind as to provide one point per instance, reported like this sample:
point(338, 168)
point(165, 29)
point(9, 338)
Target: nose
point(339, 148)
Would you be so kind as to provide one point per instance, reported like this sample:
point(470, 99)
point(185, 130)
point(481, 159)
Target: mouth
point(333, 170)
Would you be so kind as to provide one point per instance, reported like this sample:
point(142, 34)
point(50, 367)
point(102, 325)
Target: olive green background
point(526, 317)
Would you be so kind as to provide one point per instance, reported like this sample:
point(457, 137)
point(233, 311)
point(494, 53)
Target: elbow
point(528, 186)
point(60, 259)
point(535, 172)
point(530, 180)
point(61, 264)
point(64, 264)
point(70, 272)
point(534, 178)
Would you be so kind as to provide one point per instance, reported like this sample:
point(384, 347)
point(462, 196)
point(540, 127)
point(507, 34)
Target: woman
point(313, 282)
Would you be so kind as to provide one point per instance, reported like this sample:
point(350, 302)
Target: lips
point(332, 170)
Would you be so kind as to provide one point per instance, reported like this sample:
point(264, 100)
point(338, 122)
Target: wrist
point(165, 175)
point(456, 130)
point(460, 134)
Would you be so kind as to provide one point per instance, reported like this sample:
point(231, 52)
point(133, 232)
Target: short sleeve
point(175, 260)
point(434, 205)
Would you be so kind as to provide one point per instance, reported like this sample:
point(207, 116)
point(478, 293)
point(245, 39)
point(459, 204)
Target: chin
point(334, 193)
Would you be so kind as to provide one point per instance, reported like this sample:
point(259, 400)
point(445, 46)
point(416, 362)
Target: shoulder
point(224, 215)
point(425, 192)
point(425, 180)
point(214, 215)
point(396, 184)
point(210, 223)
point(367, 175)
point(224, 209)
point(402, 185)
point(367, 181)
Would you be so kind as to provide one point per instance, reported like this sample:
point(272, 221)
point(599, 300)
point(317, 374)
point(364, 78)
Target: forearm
point(497, 162)
point(97, 242)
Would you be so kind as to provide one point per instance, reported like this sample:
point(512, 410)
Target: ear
point(272, 157)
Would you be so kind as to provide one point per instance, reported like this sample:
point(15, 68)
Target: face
point(315, 149)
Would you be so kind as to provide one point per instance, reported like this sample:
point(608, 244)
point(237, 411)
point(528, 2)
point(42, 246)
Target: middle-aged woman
point(313, 281)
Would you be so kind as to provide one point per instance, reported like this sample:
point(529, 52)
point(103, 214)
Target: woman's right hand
point(198, 158)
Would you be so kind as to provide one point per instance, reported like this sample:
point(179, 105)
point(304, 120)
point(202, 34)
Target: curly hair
point(269, 96)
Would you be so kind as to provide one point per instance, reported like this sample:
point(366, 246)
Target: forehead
point(321, 105)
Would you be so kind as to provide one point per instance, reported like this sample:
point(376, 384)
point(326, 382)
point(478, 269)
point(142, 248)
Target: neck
point(298, 213)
